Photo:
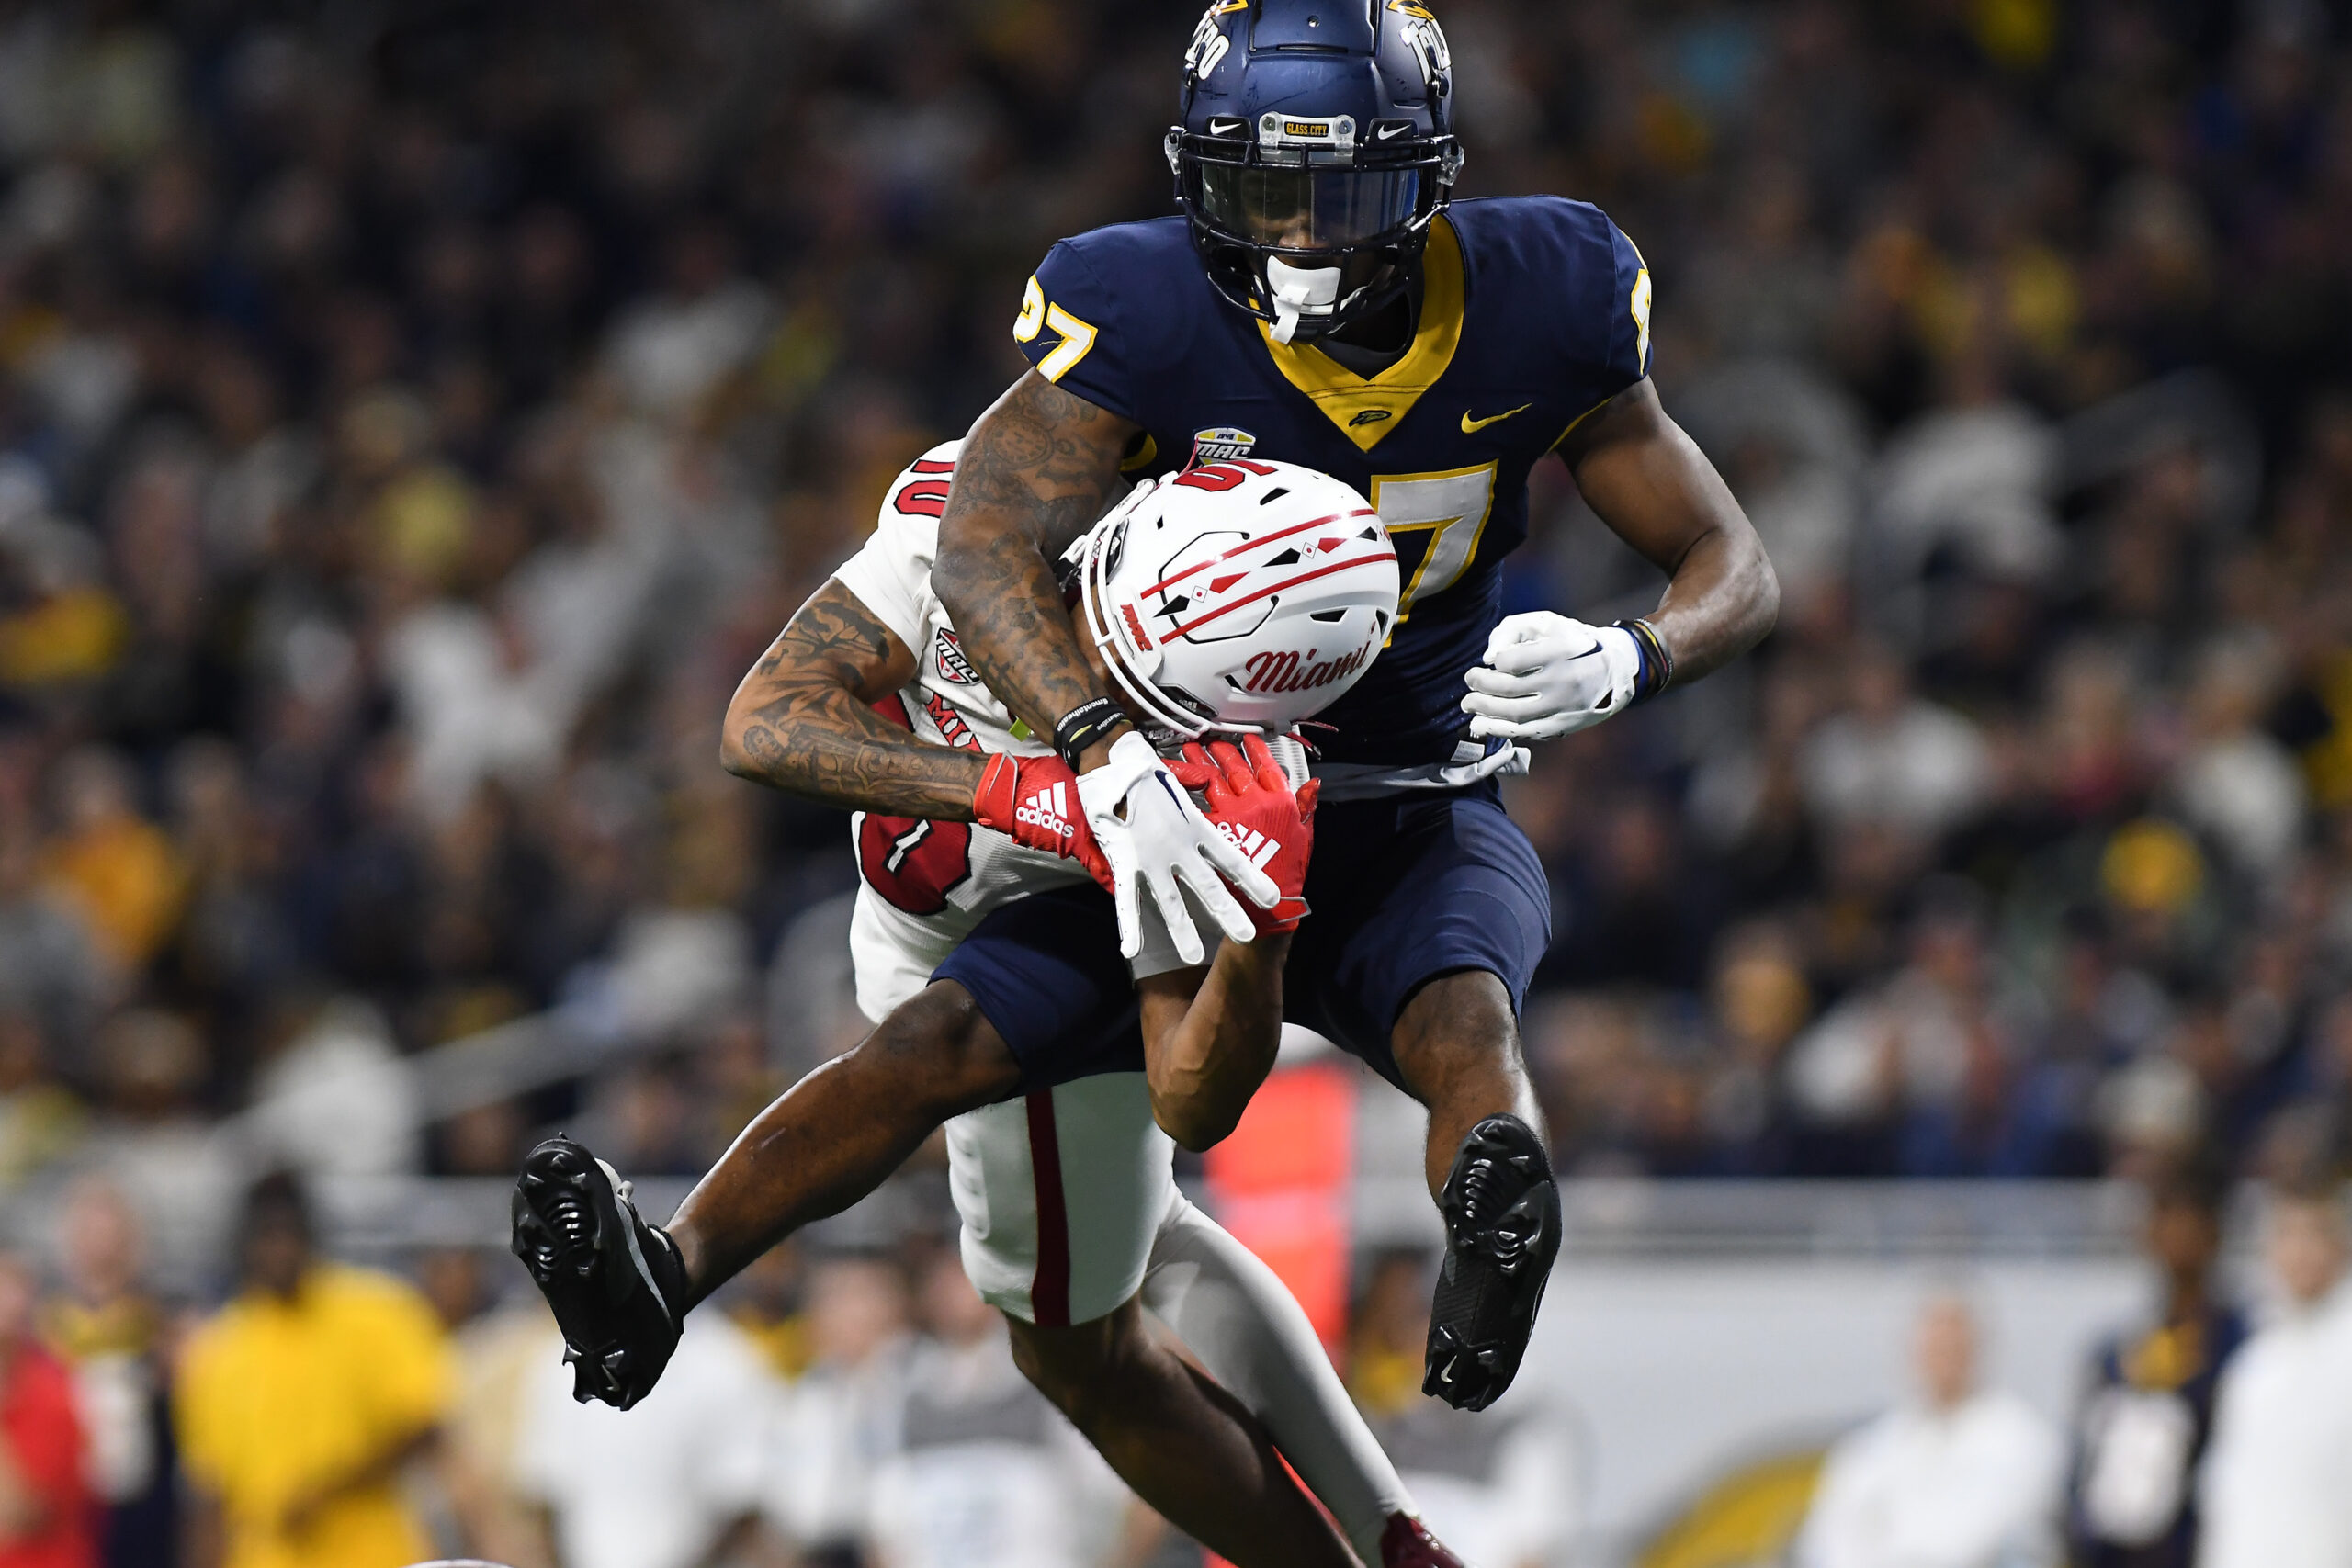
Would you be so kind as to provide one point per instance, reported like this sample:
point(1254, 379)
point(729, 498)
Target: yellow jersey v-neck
point(1365, 409)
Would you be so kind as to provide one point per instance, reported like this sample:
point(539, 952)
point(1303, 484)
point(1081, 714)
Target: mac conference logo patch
point(1221, 444)
point(953, 665)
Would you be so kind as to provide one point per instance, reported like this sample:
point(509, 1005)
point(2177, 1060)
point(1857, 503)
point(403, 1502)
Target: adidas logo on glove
point(1049, 809)
point(1251, 842)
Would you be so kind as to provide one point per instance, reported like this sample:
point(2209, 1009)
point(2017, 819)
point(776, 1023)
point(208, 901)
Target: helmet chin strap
point(1299, 291)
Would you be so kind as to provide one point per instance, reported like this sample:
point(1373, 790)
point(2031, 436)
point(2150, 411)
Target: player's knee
point(1457, 1030)
point(1082, 1369)
point(942, 1052)
point(1057, 1366)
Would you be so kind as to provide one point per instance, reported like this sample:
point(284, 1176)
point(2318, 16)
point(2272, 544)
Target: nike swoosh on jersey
point(1469, 425)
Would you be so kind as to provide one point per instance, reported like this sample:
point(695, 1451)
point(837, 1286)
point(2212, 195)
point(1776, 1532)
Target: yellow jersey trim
point(1579, 419)
point(1367, 410)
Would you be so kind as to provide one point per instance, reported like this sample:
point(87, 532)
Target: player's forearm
point(1204, 1062)
point(821, 744)
point(1722, 600)
point(1006, 604)
point(803, 720)
point(1036, 472)
point(1649, 482)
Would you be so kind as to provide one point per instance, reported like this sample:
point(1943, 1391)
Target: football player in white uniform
point(1062, 1161)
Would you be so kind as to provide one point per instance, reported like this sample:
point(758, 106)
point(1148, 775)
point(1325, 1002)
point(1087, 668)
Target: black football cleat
point(616, 1283)
point(1502, 1225)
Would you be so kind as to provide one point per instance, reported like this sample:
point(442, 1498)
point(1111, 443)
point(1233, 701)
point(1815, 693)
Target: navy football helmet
point(1317, 147)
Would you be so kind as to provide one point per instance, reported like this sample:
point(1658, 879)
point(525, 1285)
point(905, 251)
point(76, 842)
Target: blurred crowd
point(412, 422)
point(414, 419)
point(860, 1407)
point(849, 1408)
point(2210, 1434)
point(2022, 849)
point(865, 1410)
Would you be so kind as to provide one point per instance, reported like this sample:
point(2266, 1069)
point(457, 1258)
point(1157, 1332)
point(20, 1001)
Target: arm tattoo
point(802, 723)
point(1036, 471)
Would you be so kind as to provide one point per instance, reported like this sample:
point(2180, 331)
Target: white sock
point(1254, 1339)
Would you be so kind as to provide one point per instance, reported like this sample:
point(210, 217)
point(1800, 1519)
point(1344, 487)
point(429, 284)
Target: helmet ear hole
point(1189, 702)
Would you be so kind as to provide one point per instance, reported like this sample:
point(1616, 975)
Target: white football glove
point(1151, 833)
point(1546, 676)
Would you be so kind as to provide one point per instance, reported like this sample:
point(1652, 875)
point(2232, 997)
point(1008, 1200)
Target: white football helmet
point(1239, 597)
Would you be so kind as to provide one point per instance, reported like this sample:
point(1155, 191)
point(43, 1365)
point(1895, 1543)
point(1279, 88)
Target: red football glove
point(1033, 801)
point(1249, 798)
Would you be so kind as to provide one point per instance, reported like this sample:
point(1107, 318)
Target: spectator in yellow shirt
point(301, 1402)
point(119, 871)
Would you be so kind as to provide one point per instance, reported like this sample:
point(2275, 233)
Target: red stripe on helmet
point(1254, 544)
point(1278, 587)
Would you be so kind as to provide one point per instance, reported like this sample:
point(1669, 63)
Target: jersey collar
point(1367, 410)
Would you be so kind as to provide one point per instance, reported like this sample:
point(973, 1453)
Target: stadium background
point(413, 418)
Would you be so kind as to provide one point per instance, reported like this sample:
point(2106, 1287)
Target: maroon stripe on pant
point(1050, 1291)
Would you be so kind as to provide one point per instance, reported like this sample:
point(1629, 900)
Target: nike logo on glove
point(1470, 425)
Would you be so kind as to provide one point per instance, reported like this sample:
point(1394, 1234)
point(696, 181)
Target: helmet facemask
point(1304, 227)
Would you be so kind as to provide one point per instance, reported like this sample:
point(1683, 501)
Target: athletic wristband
point(1085, 725)
point(1657, 671)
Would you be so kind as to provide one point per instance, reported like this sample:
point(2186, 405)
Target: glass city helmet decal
point(1314, 139)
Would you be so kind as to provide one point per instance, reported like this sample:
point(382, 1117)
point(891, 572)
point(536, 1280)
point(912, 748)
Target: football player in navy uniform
point(1322, 301)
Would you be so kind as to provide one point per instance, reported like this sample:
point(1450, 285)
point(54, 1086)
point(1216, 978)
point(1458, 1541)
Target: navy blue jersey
point(2166, 1378)
point(1534, 313)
